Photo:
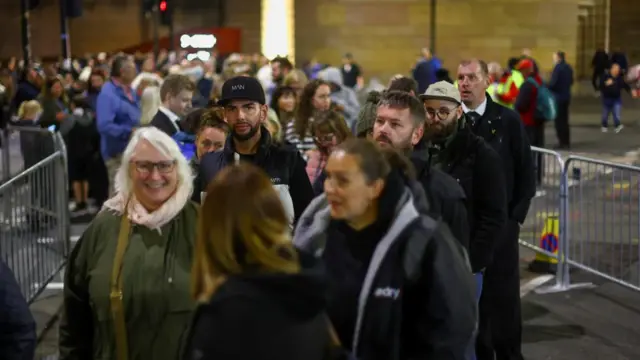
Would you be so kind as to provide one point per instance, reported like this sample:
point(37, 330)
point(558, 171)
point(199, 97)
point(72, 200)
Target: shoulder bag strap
point(117, 307)
point(333, 335)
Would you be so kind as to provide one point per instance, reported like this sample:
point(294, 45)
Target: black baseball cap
point(242, 88)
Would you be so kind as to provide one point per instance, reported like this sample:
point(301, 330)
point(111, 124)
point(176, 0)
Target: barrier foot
point(558, 288)
point(543, 266)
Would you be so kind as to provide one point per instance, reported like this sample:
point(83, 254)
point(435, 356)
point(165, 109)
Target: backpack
point(545, 102)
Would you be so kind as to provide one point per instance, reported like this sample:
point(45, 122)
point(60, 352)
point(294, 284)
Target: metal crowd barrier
point(546, 204)
point(595, 206)
point(34, 215)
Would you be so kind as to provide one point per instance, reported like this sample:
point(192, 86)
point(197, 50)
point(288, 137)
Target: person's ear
point(376, 189)
point(264, 111)
point(418, 132)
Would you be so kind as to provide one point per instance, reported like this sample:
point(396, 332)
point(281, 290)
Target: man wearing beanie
point(243, 100)
point(446, 198)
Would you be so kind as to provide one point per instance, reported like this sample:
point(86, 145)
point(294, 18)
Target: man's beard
point(440, 135)
point(404, 145)
point(244, 137)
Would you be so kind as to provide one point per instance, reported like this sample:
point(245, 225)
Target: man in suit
point(176, 94)
point(500, 327)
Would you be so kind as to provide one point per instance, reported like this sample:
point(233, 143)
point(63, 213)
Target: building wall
point(625, 28)
point(111, 25)
point(386, 36)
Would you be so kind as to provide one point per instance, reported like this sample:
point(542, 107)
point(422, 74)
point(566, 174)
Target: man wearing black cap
point(243, 100)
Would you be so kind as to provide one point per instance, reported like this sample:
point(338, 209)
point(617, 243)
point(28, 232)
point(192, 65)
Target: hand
point(609, 82)
point(60, 116)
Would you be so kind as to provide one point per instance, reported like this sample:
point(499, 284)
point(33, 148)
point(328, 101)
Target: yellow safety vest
point(499, 89)
point(517, 78)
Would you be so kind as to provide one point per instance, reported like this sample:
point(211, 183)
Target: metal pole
point(26, 32)
point(155, 16)
point(607, 26)
point(64, 33)
point(432, 23)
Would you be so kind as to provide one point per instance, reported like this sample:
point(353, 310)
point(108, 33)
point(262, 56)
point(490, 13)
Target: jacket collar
point(264, 145)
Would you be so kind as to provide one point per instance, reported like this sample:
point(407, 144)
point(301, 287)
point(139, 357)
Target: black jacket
point(283, 165)
point(478, 170)
point(446, 197)
point(430, 314)
point(614, 91)
point(17, 326)
point(263, 316)
point(162, 122)
point(502, 129)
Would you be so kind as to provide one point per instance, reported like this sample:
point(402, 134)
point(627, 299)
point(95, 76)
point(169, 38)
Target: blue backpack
point(186, 143)
point(545, 102)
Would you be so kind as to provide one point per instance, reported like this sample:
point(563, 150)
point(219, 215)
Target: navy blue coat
point(17, 326)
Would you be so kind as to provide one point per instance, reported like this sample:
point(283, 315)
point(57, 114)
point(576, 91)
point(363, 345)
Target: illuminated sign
point(199, 41)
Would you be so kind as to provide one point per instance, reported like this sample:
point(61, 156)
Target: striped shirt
point(303, 145)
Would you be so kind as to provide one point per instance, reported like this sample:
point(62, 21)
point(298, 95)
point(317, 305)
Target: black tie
point(473, 117)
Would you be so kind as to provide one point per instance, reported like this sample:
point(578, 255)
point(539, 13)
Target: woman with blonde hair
point(126, 286)
point(297, 80)
point(261, 299)
point(149, 104)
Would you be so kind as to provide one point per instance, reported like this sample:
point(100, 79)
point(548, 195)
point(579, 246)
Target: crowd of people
point(263, 211)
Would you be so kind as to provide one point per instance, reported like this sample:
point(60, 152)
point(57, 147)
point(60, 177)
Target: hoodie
point(341, 94)
point(266, 316)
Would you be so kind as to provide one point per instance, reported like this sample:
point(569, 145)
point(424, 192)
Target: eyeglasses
point(325, 138)
point(146, 167)
point(442, 113)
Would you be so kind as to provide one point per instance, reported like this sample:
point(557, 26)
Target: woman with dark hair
point(315, 97)
point(96, 80)
point(283, 102)
point(55, 103)
point(329, 130)
point(400, 286)
point(259, 298)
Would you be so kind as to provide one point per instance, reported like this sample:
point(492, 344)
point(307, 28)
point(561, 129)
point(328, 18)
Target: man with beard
point(500, 328)
point(399, 123)
point(474, 164)
point(244, 106)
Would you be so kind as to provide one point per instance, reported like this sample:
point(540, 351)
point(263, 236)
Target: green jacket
point(155, 284)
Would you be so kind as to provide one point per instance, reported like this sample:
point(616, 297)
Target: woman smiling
point(126, 287)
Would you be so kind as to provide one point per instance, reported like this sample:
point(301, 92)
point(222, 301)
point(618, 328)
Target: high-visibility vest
point(499, 89)
point(517, 78)
point(455, 83)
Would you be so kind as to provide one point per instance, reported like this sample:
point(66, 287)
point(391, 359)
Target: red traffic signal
point(163, 6)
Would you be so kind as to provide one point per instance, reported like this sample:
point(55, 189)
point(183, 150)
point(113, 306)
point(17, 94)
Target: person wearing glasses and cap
point(245, 110)
point(475, 165)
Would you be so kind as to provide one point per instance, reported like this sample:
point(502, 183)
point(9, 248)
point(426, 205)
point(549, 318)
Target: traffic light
point(166, 12)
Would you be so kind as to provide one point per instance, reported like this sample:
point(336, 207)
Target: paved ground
point(603, 225)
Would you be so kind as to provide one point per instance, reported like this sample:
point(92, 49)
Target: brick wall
point(386, 36)
point(109, 26)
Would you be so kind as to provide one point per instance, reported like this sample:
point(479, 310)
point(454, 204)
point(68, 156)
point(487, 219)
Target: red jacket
point(526, 102)
point(510, 95)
